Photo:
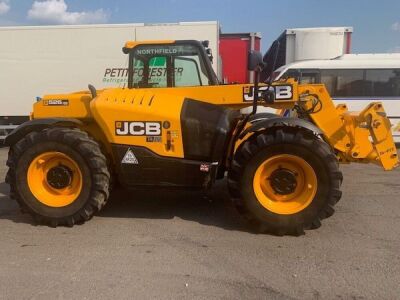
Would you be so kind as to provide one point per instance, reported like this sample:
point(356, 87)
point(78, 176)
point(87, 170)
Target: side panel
point(164, 140)
point(145, 168)
point(206, 129)
point(128, 111)
point(142, 118)
point(300, 43)
point(75, 106)
point(167, 124)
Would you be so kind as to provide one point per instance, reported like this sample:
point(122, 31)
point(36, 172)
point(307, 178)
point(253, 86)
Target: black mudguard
point(266, 120)
point(38, 125)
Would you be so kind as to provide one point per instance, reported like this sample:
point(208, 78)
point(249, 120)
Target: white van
point(355, 79)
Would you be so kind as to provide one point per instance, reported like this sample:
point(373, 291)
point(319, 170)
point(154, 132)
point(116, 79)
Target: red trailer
point(233, 49)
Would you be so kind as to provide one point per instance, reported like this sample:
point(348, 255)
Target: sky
point(376, 23)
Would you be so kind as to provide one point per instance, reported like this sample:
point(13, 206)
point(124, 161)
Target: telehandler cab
point(175, 126)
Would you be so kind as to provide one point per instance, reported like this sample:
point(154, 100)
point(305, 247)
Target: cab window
point(138, 67)
point(168, 66)
point(187, 72)
point(158, 71)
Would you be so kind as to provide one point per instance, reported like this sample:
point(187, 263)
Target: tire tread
point(284, 135)
point(90, 151)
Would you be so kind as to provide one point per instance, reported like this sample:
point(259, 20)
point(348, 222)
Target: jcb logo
point(282, 92)
point(136, 128)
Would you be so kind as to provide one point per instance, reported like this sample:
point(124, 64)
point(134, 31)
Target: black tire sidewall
point(30, 200)
point(303, 218)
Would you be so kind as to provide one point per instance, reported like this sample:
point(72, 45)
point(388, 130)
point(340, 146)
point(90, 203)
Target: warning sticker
point(130, 158)
point(175, 134)
point(205, 168)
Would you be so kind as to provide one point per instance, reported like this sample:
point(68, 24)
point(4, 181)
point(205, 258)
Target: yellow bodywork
point(151, 104)
point(357, 136)
point(361, 137)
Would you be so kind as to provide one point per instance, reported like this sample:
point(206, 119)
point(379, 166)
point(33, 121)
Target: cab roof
point(133, 44)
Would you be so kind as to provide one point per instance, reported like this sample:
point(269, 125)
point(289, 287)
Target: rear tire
point(78, 186)
point(302, 203)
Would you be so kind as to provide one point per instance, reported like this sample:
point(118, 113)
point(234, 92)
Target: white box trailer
point(299, 44)
point(38, 60)
point(316, 43)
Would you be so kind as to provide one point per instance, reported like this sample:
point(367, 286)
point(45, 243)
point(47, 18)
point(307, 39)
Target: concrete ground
point(182, 245)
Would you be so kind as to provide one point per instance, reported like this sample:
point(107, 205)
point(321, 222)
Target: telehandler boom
point(175, 126)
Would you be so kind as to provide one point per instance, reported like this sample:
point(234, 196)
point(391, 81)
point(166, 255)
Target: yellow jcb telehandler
point(175, 126)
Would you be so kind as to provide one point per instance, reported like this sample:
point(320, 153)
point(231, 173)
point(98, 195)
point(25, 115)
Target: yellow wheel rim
point(285, 184)
point(54, 179)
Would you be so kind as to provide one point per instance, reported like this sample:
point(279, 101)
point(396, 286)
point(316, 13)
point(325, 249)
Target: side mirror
point(254, 60)
point(125, 50)
point(210, 55)
point(205, 43)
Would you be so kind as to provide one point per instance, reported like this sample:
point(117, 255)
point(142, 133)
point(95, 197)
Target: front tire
point(59, 176)
point(285, 181)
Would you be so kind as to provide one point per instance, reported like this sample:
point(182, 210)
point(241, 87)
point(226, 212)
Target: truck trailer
point(234, 49)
